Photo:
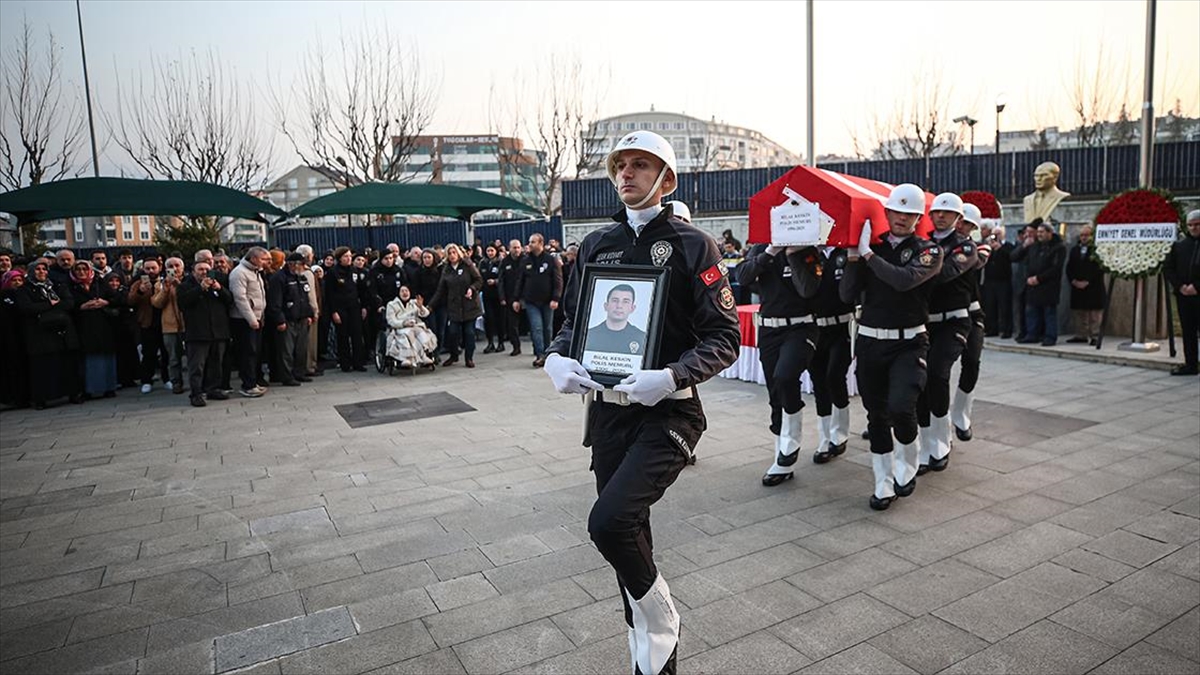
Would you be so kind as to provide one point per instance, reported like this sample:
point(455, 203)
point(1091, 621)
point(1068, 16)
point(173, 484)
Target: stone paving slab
point(140, 535)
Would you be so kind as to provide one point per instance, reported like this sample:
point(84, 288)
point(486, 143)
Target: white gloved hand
point(864, 239)
point(568, 375)
point(985, 251)
point(774, 250)
point(648, 387)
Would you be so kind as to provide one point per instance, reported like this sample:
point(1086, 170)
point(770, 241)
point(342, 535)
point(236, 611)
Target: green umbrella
point(406, 198)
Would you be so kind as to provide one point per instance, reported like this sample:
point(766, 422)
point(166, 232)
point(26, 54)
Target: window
point(79, 231)
point(144, 228)
point(127, 232)
point(630, 126)
point(312, 181)
point(663, 126)
point(293, 183)
point(679, 126)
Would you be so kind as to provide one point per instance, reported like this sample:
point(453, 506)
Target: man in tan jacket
point(172, 320)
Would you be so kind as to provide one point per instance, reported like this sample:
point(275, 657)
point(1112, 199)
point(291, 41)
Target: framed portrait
point(618, 320)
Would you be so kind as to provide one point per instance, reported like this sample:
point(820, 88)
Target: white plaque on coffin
point(799, 222)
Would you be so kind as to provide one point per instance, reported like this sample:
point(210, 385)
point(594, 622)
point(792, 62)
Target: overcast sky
point(741, 62)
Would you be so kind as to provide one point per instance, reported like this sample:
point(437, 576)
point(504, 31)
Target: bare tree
point(363, 113)
point(41, 126)
point(1097, 91)
point(919, 125)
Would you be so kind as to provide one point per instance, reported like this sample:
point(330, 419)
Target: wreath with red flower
point(989, 206)
point(1136, 259)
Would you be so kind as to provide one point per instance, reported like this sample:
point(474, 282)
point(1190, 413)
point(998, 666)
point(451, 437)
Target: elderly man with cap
point(1182, 269)
point(290, 315)
point(895, 278)
point(643, 430)
point(954, 289)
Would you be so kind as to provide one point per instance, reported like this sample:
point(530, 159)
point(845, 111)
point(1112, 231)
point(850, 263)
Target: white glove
point(864, 239)
point(568, 375)
point(774, 250)
point(648, 387)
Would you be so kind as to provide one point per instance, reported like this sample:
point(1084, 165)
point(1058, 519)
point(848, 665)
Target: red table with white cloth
point(748, 367)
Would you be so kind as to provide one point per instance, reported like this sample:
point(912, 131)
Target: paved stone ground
point(143, 535)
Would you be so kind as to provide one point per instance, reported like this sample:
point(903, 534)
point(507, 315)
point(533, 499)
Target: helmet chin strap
point(653, 189)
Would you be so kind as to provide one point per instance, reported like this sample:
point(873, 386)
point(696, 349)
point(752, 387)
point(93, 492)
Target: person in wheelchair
point(409, 342)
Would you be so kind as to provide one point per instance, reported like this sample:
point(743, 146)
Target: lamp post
point(970, 122)
point(1000, 103)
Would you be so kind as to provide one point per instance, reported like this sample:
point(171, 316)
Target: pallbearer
point(893, 277)
point(831, 361)
point(968, 377)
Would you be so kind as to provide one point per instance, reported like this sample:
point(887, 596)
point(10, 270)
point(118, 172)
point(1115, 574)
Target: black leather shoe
point(218, 395)
point(922, 469)
point(1077, 340)
point(1184, 370)
point(878, 504)
point(906, 489)
point(198, 401)
point(963, 434)
point(866, 435)
point(450, 361)
point(303, 378)
point(773, 479)
point(830, 451)
point(515, 352)
point(938, 464)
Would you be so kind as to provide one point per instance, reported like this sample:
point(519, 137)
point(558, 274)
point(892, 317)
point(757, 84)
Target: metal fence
point(1095, 172)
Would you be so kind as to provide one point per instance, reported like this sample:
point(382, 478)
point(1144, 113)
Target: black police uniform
point(287, 304)
point(638, 451)
point(968, 376)
point(949, 325)
point(346, 293)
point(493, 308)
point(831, 360)
point(891, 369)
point(1182, 267)
point(510, 274)
point(786, 285)
point(385, 283)
point(628, 340)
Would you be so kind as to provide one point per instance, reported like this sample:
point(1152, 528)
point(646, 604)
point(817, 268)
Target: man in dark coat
point(1182, 269)
point(510, 273)
point(1044, 260)
point(205, 304)
point(1087, 288)
point(997, 286)
point(289, 315)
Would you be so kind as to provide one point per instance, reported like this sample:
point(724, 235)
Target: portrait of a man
point(616, 340)
point(616, 334)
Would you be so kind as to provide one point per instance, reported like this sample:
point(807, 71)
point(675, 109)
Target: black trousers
point(127, 355)
point(512, 326)
point(891, 375)
point(323, 325)
point(248, 343)
point(460, 335)
point(204, 365)
point(968, 377)
point(947, 341)
point(830, 363)
point(997, 302)
point(493, 319)
point(352, 352)
point(154, 354)
point(1189, 320)
point(785, 353)
point(637, 453)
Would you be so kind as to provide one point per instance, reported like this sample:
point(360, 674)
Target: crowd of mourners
point(74, 329)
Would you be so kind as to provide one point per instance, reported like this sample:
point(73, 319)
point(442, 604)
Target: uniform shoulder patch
point(713, 274)
point(926, 257)
point(726, 298)
point(905, 256)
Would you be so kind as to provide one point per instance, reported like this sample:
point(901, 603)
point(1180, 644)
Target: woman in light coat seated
point(409, 342)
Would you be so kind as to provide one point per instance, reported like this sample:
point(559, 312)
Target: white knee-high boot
point(960, 410)
point(905, 469)
point(926, 441)
point(839, 429)
point(881, 465)
point(656, 628)
point(787, 444)
point(939, 446)
point(824, 438)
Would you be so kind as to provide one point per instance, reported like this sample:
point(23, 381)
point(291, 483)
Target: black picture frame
point(610, 356)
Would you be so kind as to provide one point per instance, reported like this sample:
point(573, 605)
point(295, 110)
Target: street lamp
point(970, 122)
point(1000, 103)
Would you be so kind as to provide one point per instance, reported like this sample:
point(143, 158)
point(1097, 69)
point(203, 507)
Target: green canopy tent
point(416, 199)
point(117, 196)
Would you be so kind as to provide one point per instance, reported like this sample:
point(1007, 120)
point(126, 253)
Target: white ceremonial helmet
point(948, 201)
point(972, 214)
point(680, 210)
point(646, 141)
point(906, 198)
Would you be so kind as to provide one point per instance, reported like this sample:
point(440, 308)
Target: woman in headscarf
point(409, 341)
point(14, 363)
point(95, 325)
point(50, 339)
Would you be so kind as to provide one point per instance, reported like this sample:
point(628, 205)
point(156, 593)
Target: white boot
point(885, 485)
point(905, 469)
point(632, 649)
point(926, 442)
point(823, 437)
point(960, 413)
point(656, 624)
point(787, 449)
point(839, 428)
point(939, 448)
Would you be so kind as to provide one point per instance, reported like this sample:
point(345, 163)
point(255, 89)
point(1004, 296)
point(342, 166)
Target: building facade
point(498, 164)
point(699, 145)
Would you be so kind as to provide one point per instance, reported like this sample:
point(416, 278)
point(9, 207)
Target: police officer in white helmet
point(643, 430)
point(949, 328)
point(968, 375)
point(894, 278)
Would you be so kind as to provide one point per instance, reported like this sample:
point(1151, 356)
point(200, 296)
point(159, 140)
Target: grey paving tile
point(45, 611)
point(1106, 514)
point(262, 643)
point(927, 588)
point(1094, 564)
point(849, 575)
point(111, 650)
point(837, 626)
point(928, 644)
point(53, 587)
point(1157, 590)
point(1147, 659)
point(847, 539)
point(1044, 647)
point(460, 563)
point(1168, 527)
point(757, 653)
point(1110, 620)
point(389, 610)
point(729, 619)
point(441, 662)
point(598, 658)
point(512, 648)
point(173, 562)
point(949, 538)
point(544, 568)
point(780, 599)
point(1020, 550)
point(413, 548)
point(365, 586)
point(193, 659)
point(1019, 601)
point(743, 541)
point(294, 579)
point(1179, 636)
point(176, 632)
point(514, 549)
point(461, 591)
point(364, 652)
point(1185, 562)
point(861, 659)
point(40, 638)
point(592, 623)
point(1129, 548)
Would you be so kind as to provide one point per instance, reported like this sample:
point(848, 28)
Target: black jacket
point(895, 282)
point(489, 271)
point(1081, 267)
point(999, 267)
point(510, 272)
point(1182, 266)
point(1045, 261)
point(205, 312)
point(287, 298)
point(956, 284)
point(700, 335)
point(386, 282)
point(828, 302)
point(48, 329)
point(786, 283)
point(346, 290)
point(540, 279)
point(95, 327)
point(452, 291)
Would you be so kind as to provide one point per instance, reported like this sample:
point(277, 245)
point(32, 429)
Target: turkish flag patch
point(712, 275)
